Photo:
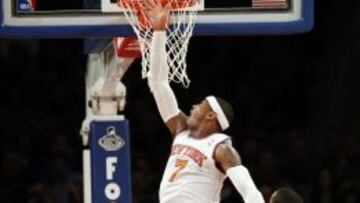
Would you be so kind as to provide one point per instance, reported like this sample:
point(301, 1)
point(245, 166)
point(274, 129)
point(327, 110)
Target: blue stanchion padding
point(110, 162)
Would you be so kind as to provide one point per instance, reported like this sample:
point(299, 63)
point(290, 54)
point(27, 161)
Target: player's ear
point(211, 115)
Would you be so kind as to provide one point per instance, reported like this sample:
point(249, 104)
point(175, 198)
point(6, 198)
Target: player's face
point(198, 113)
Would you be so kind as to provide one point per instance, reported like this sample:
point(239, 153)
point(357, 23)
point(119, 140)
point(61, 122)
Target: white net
point(179, 32)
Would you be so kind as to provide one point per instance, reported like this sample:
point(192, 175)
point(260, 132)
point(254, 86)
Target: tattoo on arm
point(226, 156)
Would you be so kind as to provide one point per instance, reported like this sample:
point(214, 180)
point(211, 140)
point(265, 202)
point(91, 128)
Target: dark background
point(296, 99)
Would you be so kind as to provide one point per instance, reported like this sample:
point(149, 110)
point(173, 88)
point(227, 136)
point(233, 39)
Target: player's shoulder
point(220, 137)
point(224, 148)
point(226, 155)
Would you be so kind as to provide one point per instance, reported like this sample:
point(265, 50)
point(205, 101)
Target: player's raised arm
point(159, 69)
point(229, 160)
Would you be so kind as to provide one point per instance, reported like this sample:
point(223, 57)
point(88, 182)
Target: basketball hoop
point(179, 32)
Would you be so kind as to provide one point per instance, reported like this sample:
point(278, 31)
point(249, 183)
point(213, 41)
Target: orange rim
point(135, 5)
point(175, 4)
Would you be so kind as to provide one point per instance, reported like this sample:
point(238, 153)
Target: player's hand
point(157, 14)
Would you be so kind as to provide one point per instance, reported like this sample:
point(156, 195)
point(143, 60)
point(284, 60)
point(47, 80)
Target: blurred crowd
point(40, 154)
point(296, 101)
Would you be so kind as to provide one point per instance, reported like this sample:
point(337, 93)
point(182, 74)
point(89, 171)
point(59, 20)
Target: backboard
point(97, 18)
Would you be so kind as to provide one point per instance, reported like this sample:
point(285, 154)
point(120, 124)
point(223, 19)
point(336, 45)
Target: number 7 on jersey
point(180, 164)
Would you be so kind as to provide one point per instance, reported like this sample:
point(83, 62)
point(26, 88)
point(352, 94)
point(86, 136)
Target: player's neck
point(202, 131)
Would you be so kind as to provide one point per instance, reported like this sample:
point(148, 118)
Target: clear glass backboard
point(102, 18)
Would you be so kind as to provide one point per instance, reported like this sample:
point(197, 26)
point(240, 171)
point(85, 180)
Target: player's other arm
point(229, 161)
point(159, 69)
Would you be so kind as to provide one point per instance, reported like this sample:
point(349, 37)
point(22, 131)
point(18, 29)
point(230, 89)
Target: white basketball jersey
point(191, 175)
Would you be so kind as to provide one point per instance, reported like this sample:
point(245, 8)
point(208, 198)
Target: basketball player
point(285, 195)
point(201, 156)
